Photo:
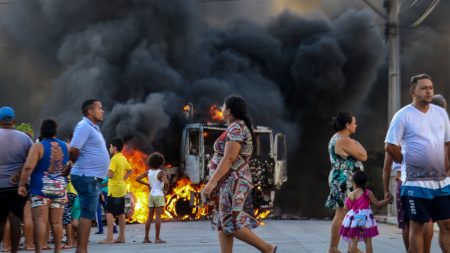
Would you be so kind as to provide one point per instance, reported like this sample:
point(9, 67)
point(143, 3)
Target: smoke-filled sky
point(296, 62)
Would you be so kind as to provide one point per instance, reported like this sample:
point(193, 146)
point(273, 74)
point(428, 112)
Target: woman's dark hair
point(238, 108)
point(156, 160)
point(341, 120)
point(360, 179)
point(48, 129)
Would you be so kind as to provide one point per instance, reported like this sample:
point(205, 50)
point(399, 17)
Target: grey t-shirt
point(14, 146)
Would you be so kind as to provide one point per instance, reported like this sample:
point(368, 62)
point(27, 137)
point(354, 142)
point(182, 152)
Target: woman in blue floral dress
point(346, 155)
point(230, 182)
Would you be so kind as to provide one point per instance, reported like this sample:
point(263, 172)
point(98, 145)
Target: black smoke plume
point(145, 59)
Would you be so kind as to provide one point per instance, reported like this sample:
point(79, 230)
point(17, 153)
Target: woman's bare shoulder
point(344, 139)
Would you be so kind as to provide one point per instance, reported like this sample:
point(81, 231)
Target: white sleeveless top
point(156, 185)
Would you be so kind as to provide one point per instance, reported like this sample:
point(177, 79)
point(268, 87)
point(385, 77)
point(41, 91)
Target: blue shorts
point(88, 189)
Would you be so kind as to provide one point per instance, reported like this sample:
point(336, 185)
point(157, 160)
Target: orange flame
point(179, 198)
point(140, 192)
point(178, 201)
point(215, 113)
point(186, 108)
point(262, 214)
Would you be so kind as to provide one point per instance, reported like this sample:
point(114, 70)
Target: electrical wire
point(426, 13)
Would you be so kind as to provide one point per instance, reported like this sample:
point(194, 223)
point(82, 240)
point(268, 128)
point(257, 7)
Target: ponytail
point(248, 123)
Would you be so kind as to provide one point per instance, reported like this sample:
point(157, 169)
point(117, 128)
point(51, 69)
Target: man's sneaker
point(99, 232)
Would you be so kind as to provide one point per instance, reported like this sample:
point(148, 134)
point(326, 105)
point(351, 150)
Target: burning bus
point(268, 167)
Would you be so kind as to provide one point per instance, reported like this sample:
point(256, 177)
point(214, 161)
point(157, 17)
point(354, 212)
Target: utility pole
point(393, 38)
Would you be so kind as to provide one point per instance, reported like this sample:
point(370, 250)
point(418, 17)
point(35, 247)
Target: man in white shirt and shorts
point(423, 129)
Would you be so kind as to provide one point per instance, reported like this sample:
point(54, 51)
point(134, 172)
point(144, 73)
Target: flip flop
point(65, 246)
point(160, 241)
point(47, 248)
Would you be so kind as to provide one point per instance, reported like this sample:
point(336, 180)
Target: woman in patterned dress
point(230, 182)
point(346, 155)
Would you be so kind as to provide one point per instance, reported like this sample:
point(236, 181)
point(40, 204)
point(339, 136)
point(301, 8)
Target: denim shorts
point(88, 189)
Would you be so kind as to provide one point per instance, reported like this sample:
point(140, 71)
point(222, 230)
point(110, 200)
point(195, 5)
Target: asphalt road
point(290, 236)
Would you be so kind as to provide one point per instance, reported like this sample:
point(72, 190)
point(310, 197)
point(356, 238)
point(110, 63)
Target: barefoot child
point(158, 184)
point(119, 171)
point(359, 223)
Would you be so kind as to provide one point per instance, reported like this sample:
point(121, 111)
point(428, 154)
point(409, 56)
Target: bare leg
point(246, 235)
point(158, 225)
point(69, 235)
point(28, 226)
point(444, 235)
point(226, 242)
point(40, 220)
point(368, 242)
point(110, 225)
point(121, 238)
point(6, 232)
point(353, 247)
point(15, 224)
point(427, 236)
point(84, 229)
point(57, 229)
point(405, 235)
point(47, 236)
point(74, 232)
point(416, 231)
point(148, 223)
point(335, 226)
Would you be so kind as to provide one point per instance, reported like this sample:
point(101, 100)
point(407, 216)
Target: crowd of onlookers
point(52, 183)
point(63, 187)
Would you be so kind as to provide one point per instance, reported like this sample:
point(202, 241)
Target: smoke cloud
point(145, 59)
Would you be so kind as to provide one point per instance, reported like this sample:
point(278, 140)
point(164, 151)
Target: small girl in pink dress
point(359, 223)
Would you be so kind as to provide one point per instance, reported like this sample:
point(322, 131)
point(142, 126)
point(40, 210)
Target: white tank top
point(156, 185)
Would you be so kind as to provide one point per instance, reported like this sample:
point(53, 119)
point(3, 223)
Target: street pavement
point(309, 236)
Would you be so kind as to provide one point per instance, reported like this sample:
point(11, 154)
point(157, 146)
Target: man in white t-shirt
point(423, 129)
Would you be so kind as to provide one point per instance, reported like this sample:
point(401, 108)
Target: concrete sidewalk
point(309, 236)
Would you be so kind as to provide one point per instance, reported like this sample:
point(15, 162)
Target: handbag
point(360, 220)
point(53, 185)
